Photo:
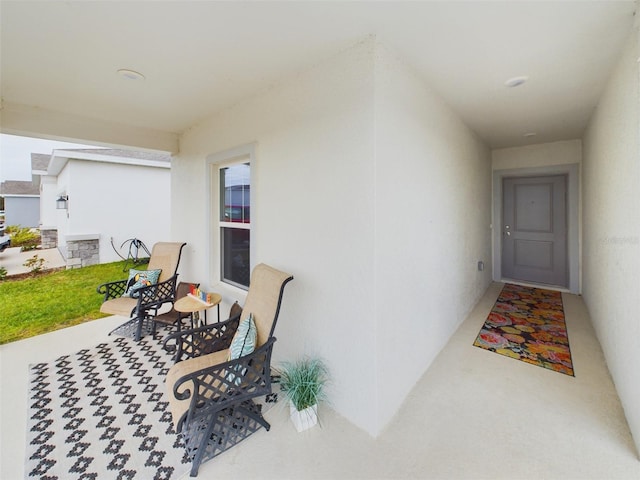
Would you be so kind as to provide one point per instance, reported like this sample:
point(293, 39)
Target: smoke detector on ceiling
point(516, 81)
point(130, 74)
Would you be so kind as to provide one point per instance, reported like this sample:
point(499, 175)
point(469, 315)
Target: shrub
point(30, 245)
point(3, 273)
point(23, 237)
point(34, 264)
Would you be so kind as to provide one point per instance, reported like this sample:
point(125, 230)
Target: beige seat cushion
point(180, 369)
point(119, 306)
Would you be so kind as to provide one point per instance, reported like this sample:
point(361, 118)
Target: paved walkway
point(13, 259)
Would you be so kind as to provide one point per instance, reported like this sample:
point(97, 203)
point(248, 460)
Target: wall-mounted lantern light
point(61, 202)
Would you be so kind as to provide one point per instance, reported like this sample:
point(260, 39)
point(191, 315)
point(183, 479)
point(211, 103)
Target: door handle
point(508, 233)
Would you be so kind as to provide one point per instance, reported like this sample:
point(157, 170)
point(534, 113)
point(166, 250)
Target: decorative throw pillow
point(243, 343)
point(138, 279)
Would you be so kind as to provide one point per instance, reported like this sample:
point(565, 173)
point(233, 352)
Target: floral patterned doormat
point(528, 324)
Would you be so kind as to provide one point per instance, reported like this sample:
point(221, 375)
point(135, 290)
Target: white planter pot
point(304, 419)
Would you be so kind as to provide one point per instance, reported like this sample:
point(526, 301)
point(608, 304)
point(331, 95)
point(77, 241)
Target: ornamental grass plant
point(303, 382)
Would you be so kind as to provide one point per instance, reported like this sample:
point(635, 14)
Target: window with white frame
point(234, 216)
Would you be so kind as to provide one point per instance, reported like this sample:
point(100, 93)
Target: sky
point(15, 154)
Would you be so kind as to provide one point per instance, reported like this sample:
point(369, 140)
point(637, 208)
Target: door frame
point(573, 217)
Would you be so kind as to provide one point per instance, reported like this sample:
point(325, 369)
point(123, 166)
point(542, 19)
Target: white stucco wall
point(62, 215)
point(541, 155)
point(115, 200)
point(611, 182)
point(312, 193)
point(326, 183)
point(48, 196)
point(433, 215)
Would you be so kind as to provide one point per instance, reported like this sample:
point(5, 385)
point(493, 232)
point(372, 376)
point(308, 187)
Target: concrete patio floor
point(473, 415)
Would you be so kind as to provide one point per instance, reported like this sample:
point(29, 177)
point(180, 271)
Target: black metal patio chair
point(141, 304)
point(211, 393)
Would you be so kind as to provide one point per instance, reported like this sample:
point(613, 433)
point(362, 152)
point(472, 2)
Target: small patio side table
point(190, 304)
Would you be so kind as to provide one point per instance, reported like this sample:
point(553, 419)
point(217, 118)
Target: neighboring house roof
point(112, 152)
point(13, 188)
point(39, 162)
point(59, 158)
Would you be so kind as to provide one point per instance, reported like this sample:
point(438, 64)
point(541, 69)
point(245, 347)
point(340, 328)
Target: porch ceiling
point(59, 59)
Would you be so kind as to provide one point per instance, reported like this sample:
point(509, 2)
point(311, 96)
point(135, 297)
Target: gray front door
point(534, 229)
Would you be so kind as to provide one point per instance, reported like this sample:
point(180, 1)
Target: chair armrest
point(152, 296)
point(203, 340)
point(225, 384)
point(112, 289)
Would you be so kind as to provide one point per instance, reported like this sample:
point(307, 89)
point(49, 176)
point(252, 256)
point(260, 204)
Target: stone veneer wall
point(81, 253)
point(49, 237)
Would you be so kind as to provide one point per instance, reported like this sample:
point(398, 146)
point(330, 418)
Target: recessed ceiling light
point(516, 81)
point(130, 74)
point(530, 134)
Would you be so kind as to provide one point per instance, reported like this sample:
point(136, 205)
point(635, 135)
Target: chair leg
point(255, 416)
point(138, 335)
point(197, 460)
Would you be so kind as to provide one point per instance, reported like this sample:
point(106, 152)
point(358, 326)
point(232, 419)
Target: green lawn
point(52, 301)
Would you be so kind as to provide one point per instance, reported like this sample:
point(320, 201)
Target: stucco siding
point(611, 182)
